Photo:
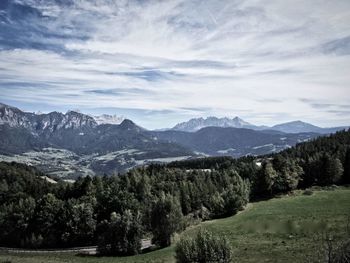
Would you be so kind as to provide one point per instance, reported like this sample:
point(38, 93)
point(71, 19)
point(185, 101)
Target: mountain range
point(199, 123)
point(196, 124)
point(73, 144)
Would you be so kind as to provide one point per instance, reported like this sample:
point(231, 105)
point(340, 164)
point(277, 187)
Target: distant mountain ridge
point(236, 142)
point(39, 123)
point(196, 124)
point(300, 126)
point(74, 144)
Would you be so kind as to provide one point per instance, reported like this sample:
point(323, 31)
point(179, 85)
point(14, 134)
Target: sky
point(163, 62)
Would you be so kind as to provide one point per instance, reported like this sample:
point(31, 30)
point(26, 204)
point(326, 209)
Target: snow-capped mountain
point(108, 119)
point(199, 123)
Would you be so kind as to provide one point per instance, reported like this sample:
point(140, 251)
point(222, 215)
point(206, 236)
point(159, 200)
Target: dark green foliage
point(21, 181)
point(332, 170)
point(121, 235)
point(236, 196)
point(269, 176)
point(46, 219)
point(320, 159)
point(204, 163)
point(166, 219)
point(78, 222)
point(288, 174)
point(63, 214)
point(203, 248)
point(155, 199)
point(14, 221)
point(277, 176)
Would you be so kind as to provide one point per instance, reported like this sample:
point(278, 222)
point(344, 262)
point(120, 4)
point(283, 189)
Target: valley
point(75, 144)
point(65, 164)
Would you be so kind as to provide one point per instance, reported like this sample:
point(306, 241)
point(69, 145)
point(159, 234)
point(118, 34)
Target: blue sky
point(162, 62)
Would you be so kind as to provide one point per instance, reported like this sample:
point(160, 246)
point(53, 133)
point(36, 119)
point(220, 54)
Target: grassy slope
point(277, 230)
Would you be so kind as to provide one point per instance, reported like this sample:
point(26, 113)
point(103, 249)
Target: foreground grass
point(283, 229)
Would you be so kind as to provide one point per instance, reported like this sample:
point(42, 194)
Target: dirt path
point(91, 250)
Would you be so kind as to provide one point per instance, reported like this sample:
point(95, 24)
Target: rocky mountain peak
point(44, 122)
point(199, 123)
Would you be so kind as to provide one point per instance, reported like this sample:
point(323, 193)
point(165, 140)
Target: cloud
point(339, 46)
point(322, 105)
point(166, 61)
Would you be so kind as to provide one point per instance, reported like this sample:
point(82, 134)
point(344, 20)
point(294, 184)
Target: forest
point(155, 201)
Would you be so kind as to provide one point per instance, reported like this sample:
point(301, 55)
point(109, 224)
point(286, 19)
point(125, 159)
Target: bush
point(203, 248)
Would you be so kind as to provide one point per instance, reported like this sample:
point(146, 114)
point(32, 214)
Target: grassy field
point(283, 229)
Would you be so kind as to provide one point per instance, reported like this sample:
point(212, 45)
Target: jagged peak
point(73, 112)
point(199, 123)
point(3, 105)
point(127, 122)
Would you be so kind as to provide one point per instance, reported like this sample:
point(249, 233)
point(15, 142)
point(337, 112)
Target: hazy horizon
point(159, 63)
point(93, 113)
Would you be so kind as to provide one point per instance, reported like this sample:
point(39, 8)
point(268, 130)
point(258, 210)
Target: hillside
point(115, 212)
point(282, 240)
point(236, 142)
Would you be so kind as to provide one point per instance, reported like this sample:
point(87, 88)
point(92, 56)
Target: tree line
point(116, 212)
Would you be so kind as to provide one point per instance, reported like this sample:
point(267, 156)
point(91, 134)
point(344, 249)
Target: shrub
point(203, 248)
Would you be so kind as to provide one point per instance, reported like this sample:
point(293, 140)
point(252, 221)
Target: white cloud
point(251, 58)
